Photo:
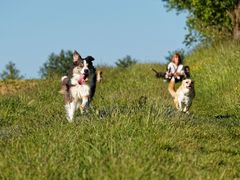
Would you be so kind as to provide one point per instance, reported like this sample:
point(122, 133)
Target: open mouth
point(85, 75)
point(83, 78)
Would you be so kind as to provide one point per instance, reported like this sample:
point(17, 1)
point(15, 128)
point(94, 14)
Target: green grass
point(132, 130)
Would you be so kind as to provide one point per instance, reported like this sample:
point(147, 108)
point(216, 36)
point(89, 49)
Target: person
point(175, 68)
point(175, 72)
point(66, 80)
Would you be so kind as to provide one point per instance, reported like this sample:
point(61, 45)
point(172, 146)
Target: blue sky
point(30, 30)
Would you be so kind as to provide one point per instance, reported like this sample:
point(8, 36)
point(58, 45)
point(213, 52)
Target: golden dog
point(184, 95)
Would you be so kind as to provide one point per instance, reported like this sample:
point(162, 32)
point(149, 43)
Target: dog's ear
point(89, 58)
point(76, 53)
point(80, 59)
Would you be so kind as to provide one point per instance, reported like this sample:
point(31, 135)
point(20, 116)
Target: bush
point(57, 64)
point(11, 72)
point(126, 62)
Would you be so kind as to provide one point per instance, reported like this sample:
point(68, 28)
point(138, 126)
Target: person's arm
point(180, 71)
point(170, 69)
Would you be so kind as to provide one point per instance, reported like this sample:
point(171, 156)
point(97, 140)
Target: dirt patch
point(13, 86)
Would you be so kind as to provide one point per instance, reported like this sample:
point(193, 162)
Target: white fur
point(184, 101)
point(184, 96)
point(64, 77)
point(76, 75)
point(79, 93)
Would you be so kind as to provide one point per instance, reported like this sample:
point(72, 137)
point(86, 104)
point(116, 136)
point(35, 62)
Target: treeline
point(209, 20)
point(57, 65)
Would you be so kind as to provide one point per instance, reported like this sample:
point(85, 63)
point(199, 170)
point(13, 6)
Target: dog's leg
point(84, 105)
point(78, 105)
point(176, 103)
point(67, 109)
point(180, 104)
point(187, 107)
point(171, 88)
point(186, 110)
point(92, 87)
point(72, 110)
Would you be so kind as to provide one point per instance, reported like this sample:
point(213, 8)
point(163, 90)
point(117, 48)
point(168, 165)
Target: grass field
point(132, 130)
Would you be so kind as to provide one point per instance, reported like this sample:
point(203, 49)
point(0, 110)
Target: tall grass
point(216, 71)
point(132, 130)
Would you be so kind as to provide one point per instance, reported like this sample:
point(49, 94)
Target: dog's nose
point(86, 71)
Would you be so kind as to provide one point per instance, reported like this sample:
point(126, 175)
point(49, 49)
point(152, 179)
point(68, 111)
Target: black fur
point(187, 71)
point(93, 80)
point(93, 86)
point(159, 74)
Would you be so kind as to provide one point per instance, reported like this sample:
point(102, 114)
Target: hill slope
point(132, 129)
point(216, 71)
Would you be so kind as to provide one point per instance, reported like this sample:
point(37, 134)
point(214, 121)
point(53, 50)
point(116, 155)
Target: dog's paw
point(69, 120)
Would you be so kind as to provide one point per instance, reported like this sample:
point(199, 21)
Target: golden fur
point(184, 95)
point(99, 76)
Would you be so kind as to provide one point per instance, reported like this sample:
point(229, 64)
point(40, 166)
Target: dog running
point(81, 87)
point(184, 95)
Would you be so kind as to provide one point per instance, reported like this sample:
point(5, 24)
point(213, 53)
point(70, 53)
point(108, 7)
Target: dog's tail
point(155, 70)
point(63, 78)
point(171, 88)
point(159, 74)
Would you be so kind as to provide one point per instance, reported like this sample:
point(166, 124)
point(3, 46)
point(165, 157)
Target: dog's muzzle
point(86, 72)
point(84, 76)
point(190, 86)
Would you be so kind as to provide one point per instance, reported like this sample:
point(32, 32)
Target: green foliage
point(211, 19)
point(57, 64)
point(216, 71)
point(126, 62)
point(11, 72)
point(132, 130)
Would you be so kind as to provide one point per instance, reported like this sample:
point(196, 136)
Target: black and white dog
point(82, 87)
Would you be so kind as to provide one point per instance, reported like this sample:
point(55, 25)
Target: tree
point(57, 64)
point(211, 19)
point(126, 62)
point(11, 72)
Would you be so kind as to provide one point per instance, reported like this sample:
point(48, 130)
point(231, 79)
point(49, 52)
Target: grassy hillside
point(216, 71)
point(132, 129)
point(13, 86)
